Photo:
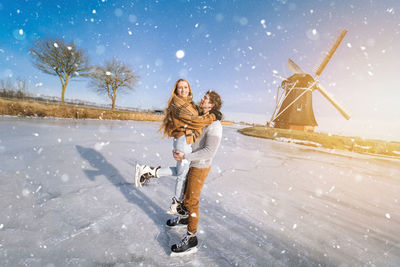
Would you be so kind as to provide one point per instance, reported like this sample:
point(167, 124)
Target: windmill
point(293, 108)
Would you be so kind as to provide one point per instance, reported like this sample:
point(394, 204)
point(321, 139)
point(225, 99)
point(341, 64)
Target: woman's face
point(182, 89)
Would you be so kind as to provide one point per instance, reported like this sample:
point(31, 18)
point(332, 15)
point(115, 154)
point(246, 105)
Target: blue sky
point(237, 48)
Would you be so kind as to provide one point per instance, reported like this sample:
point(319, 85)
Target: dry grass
point(226, 123)
point(23, 108)
point(355, 144)
point(35, 109)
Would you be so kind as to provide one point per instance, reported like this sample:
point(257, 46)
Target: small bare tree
point(65, 60)
point(114, 76)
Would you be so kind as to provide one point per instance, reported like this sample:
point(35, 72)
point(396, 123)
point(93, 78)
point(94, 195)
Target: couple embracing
point(197, 133)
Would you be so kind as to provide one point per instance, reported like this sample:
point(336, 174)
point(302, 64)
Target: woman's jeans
point(181, 169)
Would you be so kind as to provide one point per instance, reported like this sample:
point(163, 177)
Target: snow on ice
point(283, 205)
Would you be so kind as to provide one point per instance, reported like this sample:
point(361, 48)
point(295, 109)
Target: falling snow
point(62, 187)
point(137, 36)
point(84, 191)
point(180, 54)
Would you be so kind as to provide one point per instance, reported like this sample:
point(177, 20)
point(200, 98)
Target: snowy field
point(67, 199)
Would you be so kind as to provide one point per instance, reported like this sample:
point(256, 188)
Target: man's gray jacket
point(205, 147)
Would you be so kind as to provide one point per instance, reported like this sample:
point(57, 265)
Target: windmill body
point(299, 115)
point(294, 108)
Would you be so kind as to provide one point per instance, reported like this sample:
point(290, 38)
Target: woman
point(183, 123)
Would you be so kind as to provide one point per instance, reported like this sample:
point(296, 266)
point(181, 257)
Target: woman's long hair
point(166, 125)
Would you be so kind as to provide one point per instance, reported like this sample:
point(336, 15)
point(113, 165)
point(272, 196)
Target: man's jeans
point(194, 185)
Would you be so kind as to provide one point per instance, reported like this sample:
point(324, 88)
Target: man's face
point(205, 104)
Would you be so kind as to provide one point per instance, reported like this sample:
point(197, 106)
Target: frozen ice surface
point(265, 203)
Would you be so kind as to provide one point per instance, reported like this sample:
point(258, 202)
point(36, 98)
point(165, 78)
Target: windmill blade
point(294, 67)
point(330, 53)
point(330, 98)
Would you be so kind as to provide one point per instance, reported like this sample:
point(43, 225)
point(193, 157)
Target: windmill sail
point(330, 98)
point(330, 53)
point(294, 67)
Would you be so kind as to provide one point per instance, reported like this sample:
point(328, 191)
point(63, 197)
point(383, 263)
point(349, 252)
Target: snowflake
point(180, 54)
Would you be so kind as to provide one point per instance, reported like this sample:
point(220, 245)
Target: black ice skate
point(188, 245)
point(178, 221)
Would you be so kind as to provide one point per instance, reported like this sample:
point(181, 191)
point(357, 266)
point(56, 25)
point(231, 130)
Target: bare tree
point(114, 76)
point(58, 58)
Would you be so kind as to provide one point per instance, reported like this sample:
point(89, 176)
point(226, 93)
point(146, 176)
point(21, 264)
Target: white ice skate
point(143, 173)
point(177, 208)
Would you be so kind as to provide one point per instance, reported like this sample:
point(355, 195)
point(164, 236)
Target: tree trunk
point(114, 98)
point(62, 94)
point(113, 103)
point(64, 86)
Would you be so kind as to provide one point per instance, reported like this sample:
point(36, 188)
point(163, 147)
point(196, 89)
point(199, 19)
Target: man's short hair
point(215, 99)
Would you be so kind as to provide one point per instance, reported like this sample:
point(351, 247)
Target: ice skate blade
point(178, 226)
point(137, 178)
point(187, 252)
point(173, 212)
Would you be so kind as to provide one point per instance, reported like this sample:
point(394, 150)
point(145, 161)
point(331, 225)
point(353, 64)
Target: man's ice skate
point(143, 173)
point(177, 208)
point(178, 221)
point(187, 245)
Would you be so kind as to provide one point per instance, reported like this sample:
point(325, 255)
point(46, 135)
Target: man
point(203, 151)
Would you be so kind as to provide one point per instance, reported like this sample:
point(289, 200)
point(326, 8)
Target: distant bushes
point(16, 89)
point(12, 93)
